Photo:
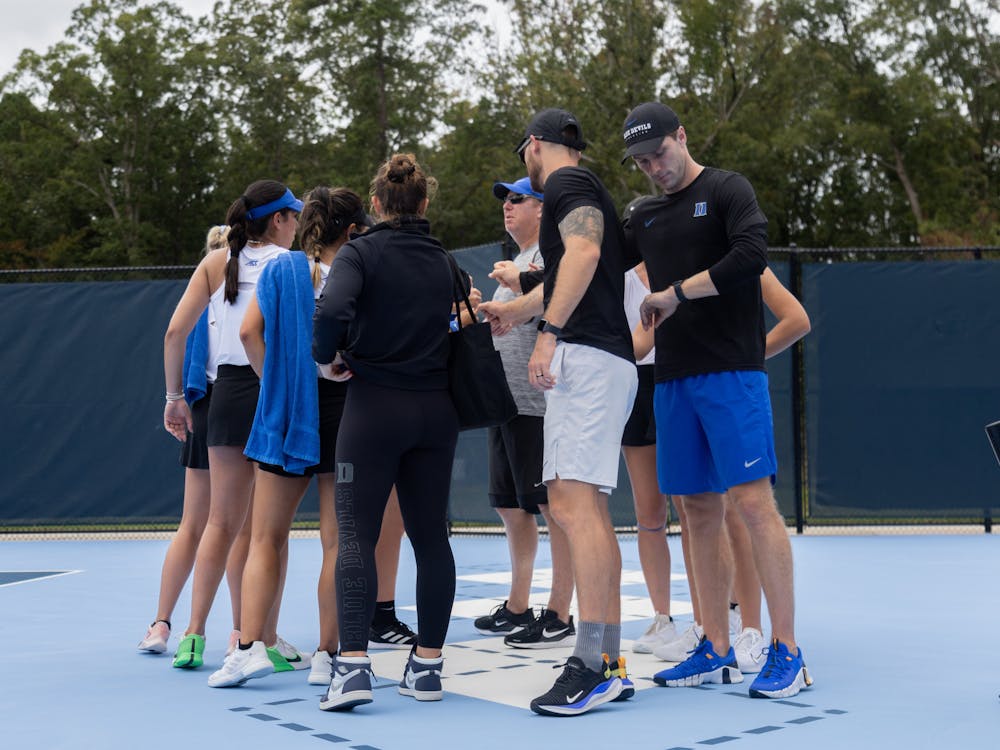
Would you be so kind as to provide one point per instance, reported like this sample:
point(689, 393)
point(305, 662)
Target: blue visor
point(522, 186)
point(286, 201)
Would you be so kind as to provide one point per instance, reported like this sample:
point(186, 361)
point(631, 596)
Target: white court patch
point(633, 607)
point(486, 669)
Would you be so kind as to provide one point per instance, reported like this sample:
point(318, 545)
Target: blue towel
point(285, 428)
point(195, 361)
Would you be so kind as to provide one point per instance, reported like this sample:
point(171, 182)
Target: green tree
point(127, 88)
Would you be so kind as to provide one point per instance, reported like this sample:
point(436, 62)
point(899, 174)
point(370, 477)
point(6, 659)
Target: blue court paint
point(11, 577)
point(876, 618)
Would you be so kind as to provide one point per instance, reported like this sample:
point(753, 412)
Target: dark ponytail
point(242, 230)
point(326, 216)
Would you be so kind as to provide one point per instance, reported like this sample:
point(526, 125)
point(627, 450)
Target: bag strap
point(458, 282)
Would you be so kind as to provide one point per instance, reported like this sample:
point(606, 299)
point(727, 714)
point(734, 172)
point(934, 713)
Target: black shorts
point(234, 402)
point(641, 426)
point(194, 451)
point(332, 396)
point(516, 450)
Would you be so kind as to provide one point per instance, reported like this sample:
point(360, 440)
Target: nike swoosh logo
point(553, 633)
point(574, 698)
point(298, 657)
point(647, 222)
point(748, 464)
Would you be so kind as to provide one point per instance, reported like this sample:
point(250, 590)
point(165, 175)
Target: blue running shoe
point(350, 685)
point(783, 675)
point(703, 665)
point(577, 690)
point(422, 678)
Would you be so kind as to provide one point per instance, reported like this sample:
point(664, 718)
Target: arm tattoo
point(586, 222)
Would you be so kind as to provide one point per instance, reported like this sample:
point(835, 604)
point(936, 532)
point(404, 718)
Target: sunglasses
point(515, 198)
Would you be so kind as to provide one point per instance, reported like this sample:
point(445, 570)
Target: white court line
point(38, 578)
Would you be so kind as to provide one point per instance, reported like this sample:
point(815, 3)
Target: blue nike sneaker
point(703, 665)
point(784, 674)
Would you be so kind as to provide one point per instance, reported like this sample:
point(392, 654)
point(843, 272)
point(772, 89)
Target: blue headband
point(288, 200)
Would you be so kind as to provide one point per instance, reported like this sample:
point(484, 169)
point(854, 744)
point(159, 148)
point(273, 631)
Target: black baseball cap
point(549, 125)
point(646, 126)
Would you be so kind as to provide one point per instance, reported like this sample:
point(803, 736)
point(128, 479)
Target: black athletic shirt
point(599, 317)
point(715, 224)
point(386, 305)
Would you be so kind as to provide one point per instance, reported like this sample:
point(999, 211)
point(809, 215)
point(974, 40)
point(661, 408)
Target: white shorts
point(585, 415)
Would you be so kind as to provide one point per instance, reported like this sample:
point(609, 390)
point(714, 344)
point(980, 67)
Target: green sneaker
point(189, 652)
point(286, 658)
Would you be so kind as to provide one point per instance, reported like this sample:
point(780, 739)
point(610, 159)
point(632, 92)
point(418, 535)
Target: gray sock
point(611, 644)
point(589, 638)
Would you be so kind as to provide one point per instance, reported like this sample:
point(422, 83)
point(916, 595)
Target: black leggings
point(407, 438)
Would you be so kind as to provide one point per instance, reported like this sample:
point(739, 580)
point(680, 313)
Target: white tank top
point(226, 318)
point(635, 293)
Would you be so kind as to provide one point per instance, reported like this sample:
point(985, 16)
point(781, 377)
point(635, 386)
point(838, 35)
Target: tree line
point(860, 122)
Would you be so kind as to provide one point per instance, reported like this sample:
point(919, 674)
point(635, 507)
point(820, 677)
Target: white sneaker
point(662, 630)
point(242, 665)
point(750, 650)
point(234, 641)
point(735, 622)
point(679, 648)
point(156, 638)
point(321, 669)
point(286, 657)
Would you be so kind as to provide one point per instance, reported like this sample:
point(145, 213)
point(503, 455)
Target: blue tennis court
point(897, 632)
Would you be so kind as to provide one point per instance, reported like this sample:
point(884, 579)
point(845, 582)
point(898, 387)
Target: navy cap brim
point(643, 147)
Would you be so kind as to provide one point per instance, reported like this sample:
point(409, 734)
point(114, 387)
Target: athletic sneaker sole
point(153, 648)
point(568, 641)
point(260, 670)
point(346, 701)
point(575, 709)
point(422, 695)
point(385, 646)
point(720, 676)
point(801, 681)
point(511, 631)
point(316, 678)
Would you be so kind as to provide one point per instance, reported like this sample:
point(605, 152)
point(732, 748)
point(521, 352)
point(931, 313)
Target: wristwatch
point(681, 297)
point(546, 327)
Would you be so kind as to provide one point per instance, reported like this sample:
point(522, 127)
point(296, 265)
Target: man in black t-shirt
point(704, 242)
point(583, 362)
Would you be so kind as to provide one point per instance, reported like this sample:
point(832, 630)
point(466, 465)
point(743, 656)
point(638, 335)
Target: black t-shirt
point(713, 224)
point(599, 318)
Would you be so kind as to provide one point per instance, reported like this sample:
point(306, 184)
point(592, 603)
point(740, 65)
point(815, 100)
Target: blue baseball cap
point(522, 187)
point(288, 200)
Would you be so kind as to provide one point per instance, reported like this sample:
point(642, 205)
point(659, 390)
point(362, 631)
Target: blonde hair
point(401, 185)
point(217, 238)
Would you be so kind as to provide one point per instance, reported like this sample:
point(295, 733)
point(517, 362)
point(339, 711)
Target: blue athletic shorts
point(713, 432)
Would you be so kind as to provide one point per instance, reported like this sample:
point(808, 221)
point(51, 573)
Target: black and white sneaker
point(577, 690)
point(395, 635)
point(502, 621)
point(548, 631)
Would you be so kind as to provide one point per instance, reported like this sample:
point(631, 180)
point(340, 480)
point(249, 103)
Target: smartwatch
point(681, 297)
point(546, 327)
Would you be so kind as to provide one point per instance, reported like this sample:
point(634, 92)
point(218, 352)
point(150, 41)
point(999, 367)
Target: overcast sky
point(38, 24)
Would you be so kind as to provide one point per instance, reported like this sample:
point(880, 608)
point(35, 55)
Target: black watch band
point(681, 297)
point(546, 327)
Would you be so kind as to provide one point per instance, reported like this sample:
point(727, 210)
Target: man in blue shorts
point(584, 363)
point(704, 242)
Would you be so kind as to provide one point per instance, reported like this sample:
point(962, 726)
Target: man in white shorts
point(583, 361)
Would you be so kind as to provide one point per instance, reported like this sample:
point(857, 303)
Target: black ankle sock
point(245, 647)
point(385, 613)
point(164, 621)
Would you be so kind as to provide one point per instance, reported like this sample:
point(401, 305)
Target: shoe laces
point(776, 664)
